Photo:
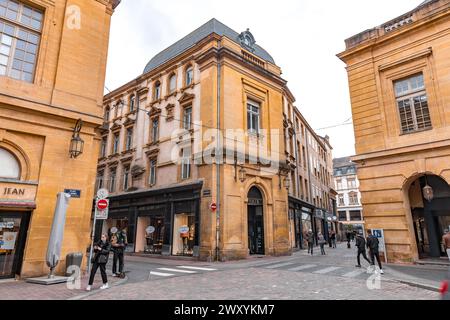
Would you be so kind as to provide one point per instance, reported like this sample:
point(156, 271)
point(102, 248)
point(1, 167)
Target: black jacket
point(360, 242)
point(372, 243)
point(102, 254)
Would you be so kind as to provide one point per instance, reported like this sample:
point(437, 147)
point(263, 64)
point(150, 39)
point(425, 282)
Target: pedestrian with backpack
point(372, 245)
point(119, 244)
point(361, 245)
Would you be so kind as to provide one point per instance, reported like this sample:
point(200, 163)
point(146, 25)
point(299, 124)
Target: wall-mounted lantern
point(242, 174)
point(76, 143)
point(287, 183)
point(428, 192)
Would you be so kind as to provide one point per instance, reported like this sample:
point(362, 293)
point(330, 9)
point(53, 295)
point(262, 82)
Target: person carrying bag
point(100, 259)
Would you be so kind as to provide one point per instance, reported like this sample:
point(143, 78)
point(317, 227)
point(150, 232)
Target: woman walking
point(322, 242)
point(100, 259)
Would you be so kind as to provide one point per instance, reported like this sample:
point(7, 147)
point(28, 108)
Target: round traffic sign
point(213, 206)
point(102, 204)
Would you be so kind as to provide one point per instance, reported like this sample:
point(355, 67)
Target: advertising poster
point(9, 240)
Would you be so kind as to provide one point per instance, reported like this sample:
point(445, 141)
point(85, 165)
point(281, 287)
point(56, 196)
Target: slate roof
point(212, 26)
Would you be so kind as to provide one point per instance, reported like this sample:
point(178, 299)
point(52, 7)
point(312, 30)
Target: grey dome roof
point(212, 26)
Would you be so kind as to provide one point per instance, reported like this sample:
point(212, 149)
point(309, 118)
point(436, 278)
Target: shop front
point(17, 201)
point(158, 222)
point(301, 215)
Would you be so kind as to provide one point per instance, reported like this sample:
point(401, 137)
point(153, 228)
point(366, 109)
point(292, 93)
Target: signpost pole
point(92, 238)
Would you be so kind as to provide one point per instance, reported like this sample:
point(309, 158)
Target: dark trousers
point(363, 253)
point(118, 255)
point(310, 247)
point(373, 255)
point(102, 267)
point(333, 241)
point(322, 248)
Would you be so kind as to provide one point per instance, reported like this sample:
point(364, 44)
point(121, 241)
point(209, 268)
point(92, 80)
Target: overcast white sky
point(303, 36)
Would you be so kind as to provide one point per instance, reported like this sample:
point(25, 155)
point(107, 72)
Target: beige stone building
point(400, 94)
point(312, 199)
point(160, 146)
point(52, 66)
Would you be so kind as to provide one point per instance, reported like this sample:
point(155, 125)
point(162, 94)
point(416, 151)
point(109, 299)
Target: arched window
point(10, 167)
point(189, 76)
point(157, 92)
point(172, 83)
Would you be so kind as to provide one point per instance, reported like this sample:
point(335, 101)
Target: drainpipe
point(218, 163)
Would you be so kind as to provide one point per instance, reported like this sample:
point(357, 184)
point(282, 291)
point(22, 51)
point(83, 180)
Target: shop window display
point(9, 236)
point(154, 236)
point(184, 235)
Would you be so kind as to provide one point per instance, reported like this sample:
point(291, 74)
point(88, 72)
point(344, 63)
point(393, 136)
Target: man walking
point(446, 241)
point(372, 244)
point(119, 243)
point(333, 239)
point(310, 240)
point(361, 245)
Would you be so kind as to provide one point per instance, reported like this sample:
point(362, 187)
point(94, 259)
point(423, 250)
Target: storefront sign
point(184, 229)
point(73, 193)
point(255, 202)
point(150, 229)
point(17, 191)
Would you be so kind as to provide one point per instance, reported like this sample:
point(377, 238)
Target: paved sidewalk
point(21, 290)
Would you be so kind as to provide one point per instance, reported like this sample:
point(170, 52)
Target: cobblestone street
point(297, 277)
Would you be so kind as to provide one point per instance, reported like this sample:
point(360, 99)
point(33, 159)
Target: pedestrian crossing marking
point(279, 265)
point(161, 274)
point(354, 274)
point(197, 268)
point(176, 270)
point(304, 267)
point(327, 270)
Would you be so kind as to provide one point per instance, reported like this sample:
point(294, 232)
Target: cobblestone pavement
point(21, 290)
point(261, 284)
point(300, 276)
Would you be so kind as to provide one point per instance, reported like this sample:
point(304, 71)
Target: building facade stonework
point(400, 95)
point(52, 68)
point(203, 124)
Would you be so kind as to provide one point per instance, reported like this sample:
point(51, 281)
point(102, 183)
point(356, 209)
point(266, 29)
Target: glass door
point(13, 229)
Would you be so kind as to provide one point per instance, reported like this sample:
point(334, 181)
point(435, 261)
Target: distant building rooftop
point(394, 24)
point(210, 27)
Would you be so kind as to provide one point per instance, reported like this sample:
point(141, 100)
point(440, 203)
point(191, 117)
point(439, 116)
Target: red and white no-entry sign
point(102, 204)
point(213, 206)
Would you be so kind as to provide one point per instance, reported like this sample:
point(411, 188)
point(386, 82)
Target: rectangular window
point(99, 180)
point(353, 198)
point(20, 34)
point(112, 180)
point(351, 183)
point(132, 103)
point(126, 177)
point(412, 104)
point(186, 164)
point(187, 118)
point(253, 117)
point(355, 215)
point(115, 143)
point(152, 176)
point(341, 200)
point(129, 139)
point(155, 130)
point(103, 147)
point(342, 216)
point(189, 76)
